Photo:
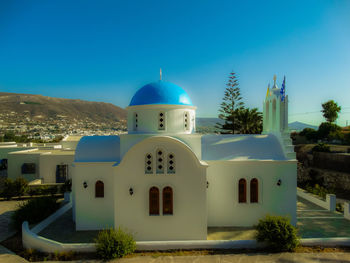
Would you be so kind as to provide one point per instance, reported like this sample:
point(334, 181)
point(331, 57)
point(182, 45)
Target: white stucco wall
point(148, 118)
point(194, 141)
point(17, 159)
point(93, 213)
point(223, 177)
point(48, 164)
point(189, 220)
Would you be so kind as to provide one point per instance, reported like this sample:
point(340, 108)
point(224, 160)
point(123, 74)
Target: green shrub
point(310, 134)
point(112, 243)
point(53, 190)
point(8, 189)
point(278, 233)
point(66, 187)
point(20, 186)
point(33, 191)
point(326, 130)
point(321, 147)
point(339, 207)
point(318, 190)
point(33, 211)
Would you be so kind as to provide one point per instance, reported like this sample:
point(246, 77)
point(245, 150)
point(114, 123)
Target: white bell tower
point(275, 114)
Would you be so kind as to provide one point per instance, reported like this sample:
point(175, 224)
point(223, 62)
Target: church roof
point(241, 147)
point(161, 92)
point(98, 149)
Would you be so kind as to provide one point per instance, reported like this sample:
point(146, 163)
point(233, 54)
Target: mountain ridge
point(50, 107)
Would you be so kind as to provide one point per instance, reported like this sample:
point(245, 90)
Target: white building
point(45, 162)
point(163, 181)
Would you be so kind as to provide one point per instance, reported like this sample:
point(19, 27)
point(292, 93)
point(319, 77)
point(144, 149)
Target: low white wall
point(197, 244)
point(329, 242)
point(347, 210)
point(33, 241)
point(35, 182)
point(329, 204)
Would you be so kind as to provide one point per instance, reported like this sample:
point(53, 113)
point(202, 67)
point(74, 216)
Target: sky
point(107, 50)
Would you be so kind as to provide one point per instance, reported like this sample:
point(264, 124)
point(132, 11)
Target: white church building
point(163, 181)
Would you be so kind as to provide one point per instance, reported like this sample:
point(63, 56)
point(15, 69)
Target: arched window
point(171, 163)
point(148, 164)
point(242, 191)
point(167, 201)
point(99, 189)
point(154, 201)
point(160, 161)
point(254, 191)
point(161, 121)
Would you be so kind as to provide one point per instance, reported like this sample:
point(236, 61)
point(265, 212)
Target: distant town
point(26, 128)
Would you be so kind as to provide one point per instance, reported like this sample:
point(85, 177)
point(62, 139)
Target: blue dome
point(161, 93)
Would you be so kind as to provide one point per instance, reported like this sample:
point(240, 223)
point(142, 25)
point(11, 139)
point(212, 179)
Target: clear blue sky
point(106, 50)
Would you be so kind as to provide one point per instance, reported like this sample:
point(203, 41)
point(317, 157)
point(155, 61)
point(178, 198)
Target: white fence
point(329, 204)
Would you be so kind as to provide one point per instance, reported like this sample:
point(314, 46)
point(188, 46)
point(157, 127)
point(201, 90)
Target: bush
point(112, 243)
point(310, 134)
point(328, 131)
point(339, 207)
point(20, 186)
point(66, 187)
point(321, 147)
point(33, 211)
point(278, 233)
point(8, 189)
point(318, 190)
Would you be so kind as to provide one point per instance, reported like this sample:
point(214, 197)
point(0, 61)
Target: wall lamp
point(131, 191)
point(85, 184)
point(279, 182)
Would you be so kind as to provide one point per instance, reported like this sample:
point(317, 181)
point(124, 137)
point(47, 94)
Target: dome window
point(186, 121)
point(148, 164)
point(160, 162)
point(136, 121)
point(161, 121)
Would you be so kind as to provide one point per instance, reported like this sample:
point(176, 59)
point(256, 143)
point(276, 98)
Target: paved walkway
point(6, 211)
point(315, 221)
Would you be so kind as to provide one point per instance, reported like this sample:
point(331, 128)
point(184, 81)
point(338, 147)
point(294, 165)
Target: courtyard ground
point(313, 221)
point(6, 210)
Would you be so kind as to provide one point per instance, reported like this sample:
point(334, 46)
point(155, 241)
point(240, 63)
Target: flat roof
point(47, 151)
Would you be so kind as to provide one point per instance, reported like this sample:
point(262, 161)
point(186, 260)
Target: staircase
point(288, 146)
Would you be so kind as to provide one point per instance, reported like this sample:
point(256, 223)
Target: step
point(291, 155)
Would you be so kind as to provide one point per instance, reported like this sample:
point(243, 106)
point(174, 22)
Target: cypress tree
point(230, 106)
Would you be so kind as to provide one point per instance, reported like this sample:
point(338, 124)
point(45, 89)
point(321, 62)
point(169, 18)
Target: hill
point(43, 107)
point(299, 126)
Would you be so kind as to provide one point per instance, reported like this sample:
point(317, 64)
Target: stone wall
point(332, 161)
point(330, 179)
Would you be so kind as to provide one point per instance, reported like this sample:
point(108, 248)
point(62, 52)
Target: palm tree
point(250, 121)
